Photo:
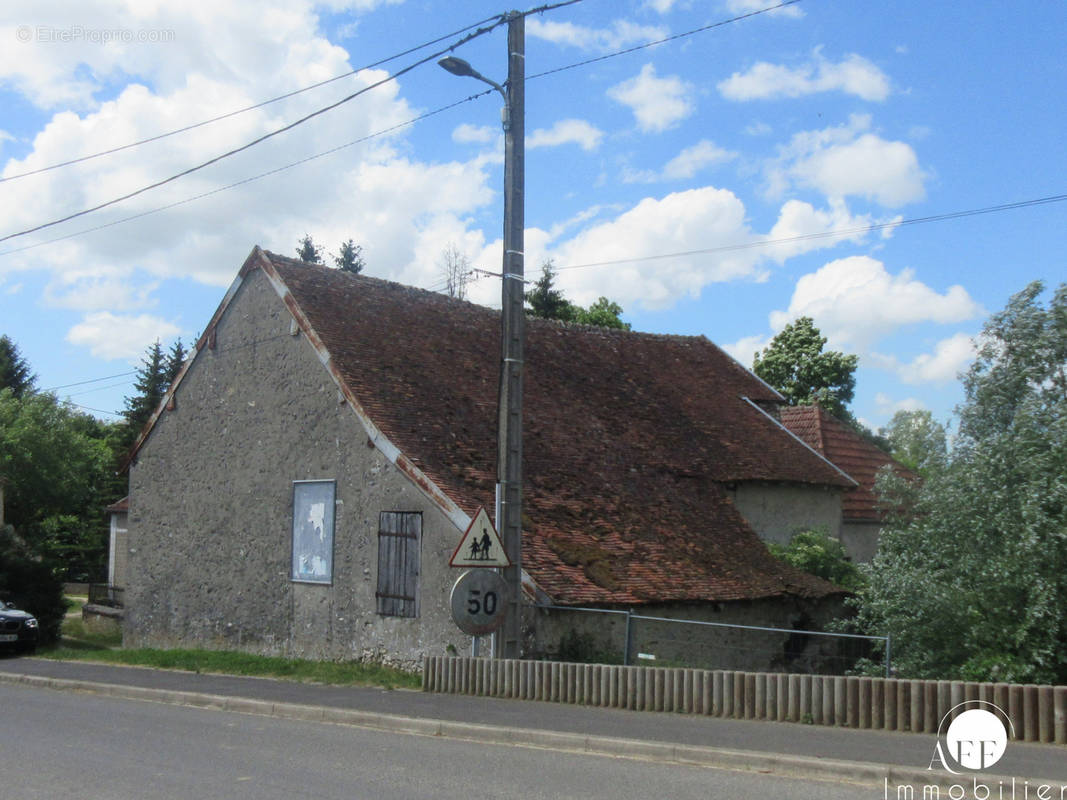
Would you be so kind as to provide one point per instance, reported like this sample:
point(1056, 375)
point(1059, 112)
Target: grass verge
point(340, 673)
point(81, 643)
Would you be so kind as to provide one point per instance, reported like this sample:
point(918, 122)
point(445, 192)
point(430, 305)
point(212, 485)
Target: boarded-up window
point(399, 542)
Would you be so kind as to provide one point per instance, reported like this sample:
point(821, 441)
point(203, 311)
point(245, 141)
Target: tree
point(28, 582)
point(309, 251)
point(349, 257)
point(151, 386)
point(971, 574)
point(15, 373)
point(175, 360)
point(456, 269)
point(916, 440)
point(547, 302)
point(794, 363)
point(603, 313)
point(48, 458)
point(818, 553)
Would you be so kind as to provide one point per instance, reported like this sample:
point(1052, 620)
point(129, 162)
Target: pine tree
point(15, 372)
point(151, 385)
point(350, 257)
point(548, 302)
point(175, 360)
point(309, 251)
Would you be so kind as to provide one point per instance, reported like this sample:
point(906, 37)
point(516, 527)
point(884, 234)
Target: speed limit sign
point(479, 600)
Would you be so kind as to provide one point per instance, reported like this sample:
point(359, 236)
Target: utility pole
point(507, 641)
point(512, 319)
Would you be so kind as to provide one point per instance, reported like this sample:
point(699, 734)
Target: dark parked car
point(18, 630)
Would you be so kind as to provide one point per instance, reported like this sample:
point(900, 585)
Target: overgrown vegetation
point(817, 553)
point(970, 578)
point(29, 583)
point(583, 648)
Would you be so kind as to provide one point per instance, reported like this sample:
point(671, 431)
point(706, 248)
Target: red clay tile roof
point(119, 506)
point(628, 438)
point(848, 450)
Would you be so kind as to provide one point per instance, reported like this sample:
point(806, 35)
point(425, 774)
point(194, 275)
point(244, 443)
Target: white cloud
point(474, 134)
point(887, 406)
point(801, 228)
point(402, 210)
point(853, 75)
point(622, 33)
point(950, 357)
point(567, 131)
point(97, 291)
point(662, 6)
point(855, 302)
point(693, 159)
point(750, 6)
point(684, 165)
point(110, 336)
point(744, 350)
point(657, 103)
point(849, 160)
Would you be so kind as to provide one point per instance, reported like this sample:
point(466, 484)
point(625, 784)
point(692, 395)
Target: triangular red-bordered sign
point(480, 545)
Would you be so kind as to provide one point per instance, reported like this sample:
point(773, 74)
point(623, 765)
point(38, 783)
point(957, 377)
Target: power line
point(92, 380)
point(261, 175)
point(234, 113)
point(662, 41)
point(840, 232)
point(479, 32)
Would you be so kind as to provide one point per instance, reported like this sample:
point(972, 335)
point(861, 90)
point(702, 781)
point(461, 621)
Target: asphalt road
point(59, 744)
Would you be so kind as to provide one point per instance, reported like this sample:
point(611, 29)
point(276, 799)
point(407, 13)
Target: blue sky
point(818, 118)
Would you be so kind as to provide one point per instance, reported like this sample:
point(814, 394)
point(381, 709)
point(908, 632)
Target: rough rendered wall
point(211, 497)
point(776, 512)
point(860, 539)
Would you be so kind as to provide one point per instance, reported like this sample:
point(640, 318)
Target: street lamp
point(512, 316)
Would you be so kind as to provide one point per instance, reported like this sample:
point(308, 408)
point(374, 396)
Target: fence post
point(888, 652)
point(626, 647)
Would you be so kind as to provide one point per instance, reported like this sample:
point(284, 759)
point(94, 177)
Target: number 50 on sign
point(478, 601)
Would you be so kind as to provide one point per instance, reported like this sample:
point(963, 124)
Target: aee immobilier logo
point(972, 737)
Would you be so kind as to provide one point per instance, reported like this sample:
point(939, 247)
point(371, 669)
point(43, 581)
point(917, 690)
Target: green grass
point(341, 673)
point(78, 643)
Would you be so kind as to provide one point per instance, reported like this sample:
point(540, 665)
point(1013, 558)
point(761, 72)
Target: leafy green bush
point(816, 552)
point(28, 583)
point(582, 648)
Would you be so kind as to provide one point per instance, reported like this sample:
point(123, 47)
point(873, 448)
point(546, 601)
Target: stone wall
point(778, 511)
point(860, 539)
point(660, 635)
point(211, 496)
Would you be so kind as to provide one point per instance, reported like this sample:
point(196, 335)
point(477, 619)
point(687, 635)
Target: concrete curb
point(821, 769)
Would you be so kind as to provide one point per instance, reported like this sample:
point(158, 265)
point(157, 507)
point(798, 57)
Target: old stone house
point(310, 472)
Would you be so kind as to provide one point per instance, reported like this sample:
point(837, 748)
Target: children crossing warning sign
point(480, 545)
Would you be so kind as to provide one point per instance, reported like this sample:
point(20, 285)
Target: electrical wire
point(645, 46)
point(500, 19)
point(242, 182)
point(841, 232)
point(253, 107)
point(91, 380)
point(469, 37)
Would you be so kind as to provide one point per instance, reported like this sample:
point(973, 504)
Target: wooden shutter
point(399, 540)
